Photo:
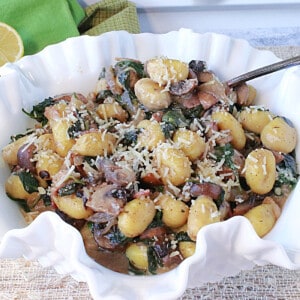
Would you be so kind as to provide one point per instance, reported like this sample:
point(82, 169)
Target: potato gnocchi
point(159, 150)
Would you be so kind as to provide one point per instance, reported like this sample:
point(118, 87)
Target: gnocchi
point(173, 165)
point(151, 94)
point(254, 120)
point(260, 170)
point(112, 110)
point(187, 248)
point(48, 163)
point(151, 134)
point(155, 153)
point(203, 211)
point(94, 143)
point(136, 216)
point(175, 212)
point(279, 136)
point(15, 188)
point(10, 152)
point(190, 143)
point(137, 255)
point(164, 70)
point(227, 121)
point(73, 206)
point(263, 216)
point(63, 142)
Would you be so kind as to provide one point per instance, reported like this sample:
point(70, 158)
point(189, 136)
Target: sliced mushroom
point(225, 210)
point(183, 87)
point(205, 76)
point(100, 217)
point(120, 176)
point(215, 87)
point(115, 174)
point(242, 208)
point(224, 138)
point(107, 240)
point(207, 189)
point(189, 100)
point(25, 155)
point(103, 200)
point(159, 233)
point(171, 260)
point(104, 218)
point(197, 66)
point(279, 157)
point(245, 94)
point(207, 99)
point(69, 96)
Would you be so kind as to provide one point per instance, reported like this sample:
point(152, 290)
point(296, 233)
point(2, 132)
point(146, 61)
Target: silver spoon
point(290, 62)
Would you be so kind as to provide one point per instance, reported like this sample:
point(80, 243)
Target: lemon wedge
point(11, 44)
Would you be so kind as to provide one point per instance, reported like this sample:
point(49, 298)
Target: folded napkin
point(109, 15)
point(42, 22)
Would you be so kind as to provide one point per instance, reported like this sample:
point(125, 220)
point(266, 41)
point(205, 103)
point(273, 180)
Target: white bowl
point(223, 249)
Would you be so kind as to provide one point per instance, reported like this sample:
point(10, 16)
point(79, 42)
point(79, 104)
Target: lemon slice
point(11, 44)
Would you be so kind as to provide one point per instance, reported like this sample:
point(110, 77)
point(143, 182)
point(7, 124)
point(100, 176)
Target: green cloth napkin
point(42, 22)
point(110, 15)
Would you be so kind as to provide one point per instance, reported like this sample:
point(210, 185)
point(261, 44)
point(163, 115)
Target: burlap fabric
point(24, 280)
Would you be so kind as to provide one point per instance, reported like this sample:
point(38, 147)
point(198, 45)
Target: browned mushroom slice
point(115, 174)
point(197, 66)
point(107, 241)
point(183, 87)
point(192, 75)
point(242, 92)
point(215, 87)
point(279, 157)
point(25, 155)
point(207, 99)
point(243, 207)
point(157, 232)
point(114, 260)
point(245, 94)
point(103, 200)
point(69, 96)
point(207, 189)
point(189, 100)
point(172, 260)
point(251, 200)
point(108, 220)
point(120, 176)
point(224, 138)
point(205, 76)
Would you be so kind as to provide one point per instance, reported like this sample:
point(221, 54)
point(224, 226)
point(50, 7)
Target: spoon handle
point(290, 62)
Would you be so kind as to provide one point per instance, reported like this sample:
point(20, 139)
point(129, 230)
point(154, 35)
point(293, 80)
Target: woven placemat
point(21, 279)
point(26, 280)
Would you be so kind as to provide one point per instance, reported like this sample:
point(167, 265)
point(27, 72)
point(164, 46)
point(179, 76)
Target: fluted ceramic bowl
point(224, 248)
